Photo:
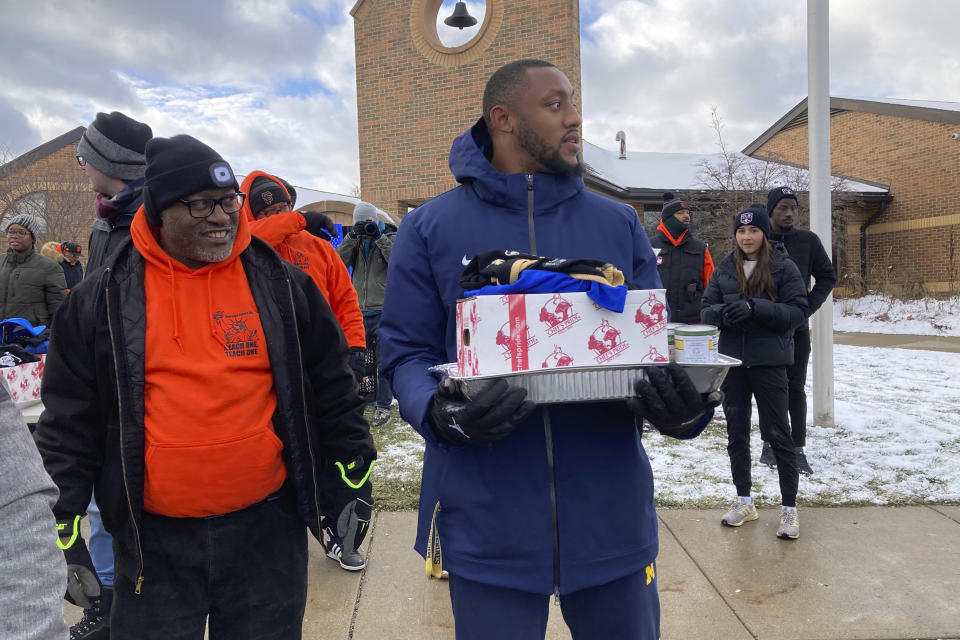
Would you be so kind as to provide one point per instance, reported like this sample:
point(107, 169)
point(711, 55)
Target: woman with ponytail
point(757, 298)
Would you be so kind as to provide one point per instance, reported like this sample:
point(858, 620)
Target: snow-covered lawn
point(897, 441)
point(880, 314)
point(897, 438)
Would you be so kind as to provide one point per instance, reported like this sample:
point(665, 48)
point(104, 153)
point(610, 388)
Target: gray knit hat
point(113, 144)
point(364, 211)
point(31, 223)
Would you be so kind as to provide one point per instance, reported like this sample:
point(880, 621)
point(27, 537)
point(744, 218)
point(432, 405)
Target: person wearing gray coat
point(33, 568)
point(32, 287)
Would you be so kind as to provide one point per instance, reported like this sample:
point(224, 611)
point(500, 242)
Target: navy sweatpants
point(628, 608)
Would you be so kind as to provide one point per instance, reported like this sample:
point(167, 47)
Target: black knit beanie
point(265, 192)
point(671, 206)
point(177, 167)
point(755, 215)
point(113, 144)
point(778, 194)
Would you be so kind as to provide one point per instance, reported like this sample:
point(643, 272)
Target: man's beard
point(531, 142)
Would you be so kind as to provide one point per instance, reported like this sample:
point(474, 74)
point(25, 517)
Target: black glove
point(353, 506)
point(736, 313)
point(491, 414)
point(82, 581)
point(669, 400)
point(366, 229)
point(358, 363)
point(320, 225)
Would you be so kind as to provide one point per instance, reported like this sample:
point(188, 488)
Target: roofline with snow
point(797, 115)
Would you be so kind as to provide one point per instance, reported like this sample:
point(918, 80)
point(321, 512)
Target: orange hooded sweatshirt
point(209, 443)
point(285, 232)
point(707, 270)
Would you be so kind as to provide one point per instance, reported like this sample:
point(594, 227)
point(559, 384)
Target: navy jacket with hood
point(497, 521)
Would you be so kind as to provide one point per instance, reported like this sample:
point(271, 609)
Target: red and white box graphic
point(526, 332)
point(23, 381)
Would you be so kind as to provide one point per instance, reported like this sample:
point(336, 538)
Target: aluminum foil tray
point(588, 384)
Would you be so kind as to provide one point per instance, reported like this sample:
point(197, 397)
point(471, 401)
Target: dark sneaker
point(351, 561)
point(381, 417)
point(802, 463)
point(95, 624)
point(767, 457)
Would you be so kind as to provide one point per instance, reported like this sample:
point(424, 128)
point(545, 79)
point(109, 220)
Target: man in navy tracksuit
point(518, 501)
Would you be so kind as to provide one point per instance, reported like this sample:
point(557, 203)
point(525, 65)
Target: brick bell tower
point(415, 94)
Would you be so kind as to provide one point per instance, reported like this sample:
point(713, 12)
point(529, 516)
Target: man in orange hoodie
point(684, 262)
point(200, 383)
point(268, 209)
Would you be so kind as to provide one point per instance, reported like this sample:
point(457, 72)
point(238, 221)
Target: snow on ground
point(880, 314)
point(897, 439)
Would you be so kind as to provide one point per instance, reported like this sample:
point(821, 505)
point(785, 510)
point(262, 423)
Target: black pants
point(796, 381)
point(768, 385)
point(246, 570)
point(627, 608)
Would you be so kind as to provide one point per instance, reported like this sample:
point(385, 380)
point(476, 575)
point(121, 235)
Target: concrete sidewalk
point(884, 573)
point(856, 573)
point(898, 341)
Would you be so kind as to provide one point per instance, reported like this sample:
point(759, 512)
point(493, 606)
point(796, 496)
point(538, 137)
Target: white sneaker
point(740, 511)
point(789, 524)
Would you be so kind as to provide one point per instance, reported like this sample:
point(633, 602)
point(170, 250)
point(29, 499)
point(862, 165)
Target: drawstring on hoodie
point(173, 296)
point(213, 326)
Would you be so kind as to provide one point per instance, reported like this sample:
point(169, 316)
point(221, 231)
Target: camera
point(367, 228)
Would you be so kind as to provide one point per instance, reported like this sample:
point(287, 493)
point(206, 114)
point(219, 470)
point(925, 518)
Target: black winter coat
point(91, 433)
point(807, 252)
point(766, 340)
point(680, 268)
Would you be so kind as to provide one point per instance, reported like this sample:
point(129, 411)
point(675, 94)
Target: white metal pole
point(818, 117)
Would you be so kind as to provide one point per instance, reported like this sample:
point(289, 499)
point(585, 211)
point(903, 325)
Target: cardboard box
point(23, 381)
point(524, 332)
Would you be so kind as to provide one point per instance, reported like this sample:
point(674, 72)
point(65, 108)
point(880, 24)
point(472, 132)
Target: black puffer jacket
point(807, 252)
point(767, 338)
point(31, 287)
point(91, 432)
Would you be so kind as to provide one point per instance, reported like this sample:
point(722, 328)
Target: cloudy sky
point(270, 83)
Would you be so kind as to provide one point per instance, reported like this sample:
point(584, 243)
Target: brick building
point(415, 95)
point(47, 183)
point(909, 241)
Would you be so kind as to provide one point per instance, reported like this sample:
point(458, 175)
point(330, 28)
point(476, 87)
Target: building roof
point(647, 174)
point(947, 112)
point(51, 146)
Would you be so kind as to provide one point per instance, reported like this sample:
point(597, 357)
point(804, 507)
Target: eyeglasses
point(280, 207)
point(203, 207)
point(15, 232)
point(81, 161)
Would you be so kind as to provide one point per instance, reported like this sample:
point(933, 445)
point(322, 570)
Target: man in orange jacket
point(268, 209)
point(684, 262)
point(200, 383)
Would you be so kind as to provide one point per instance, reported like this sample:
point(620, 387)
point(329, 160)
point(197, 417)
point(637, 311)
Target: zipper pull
point(138, 588)
point(529, 182)
point(556, 596)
